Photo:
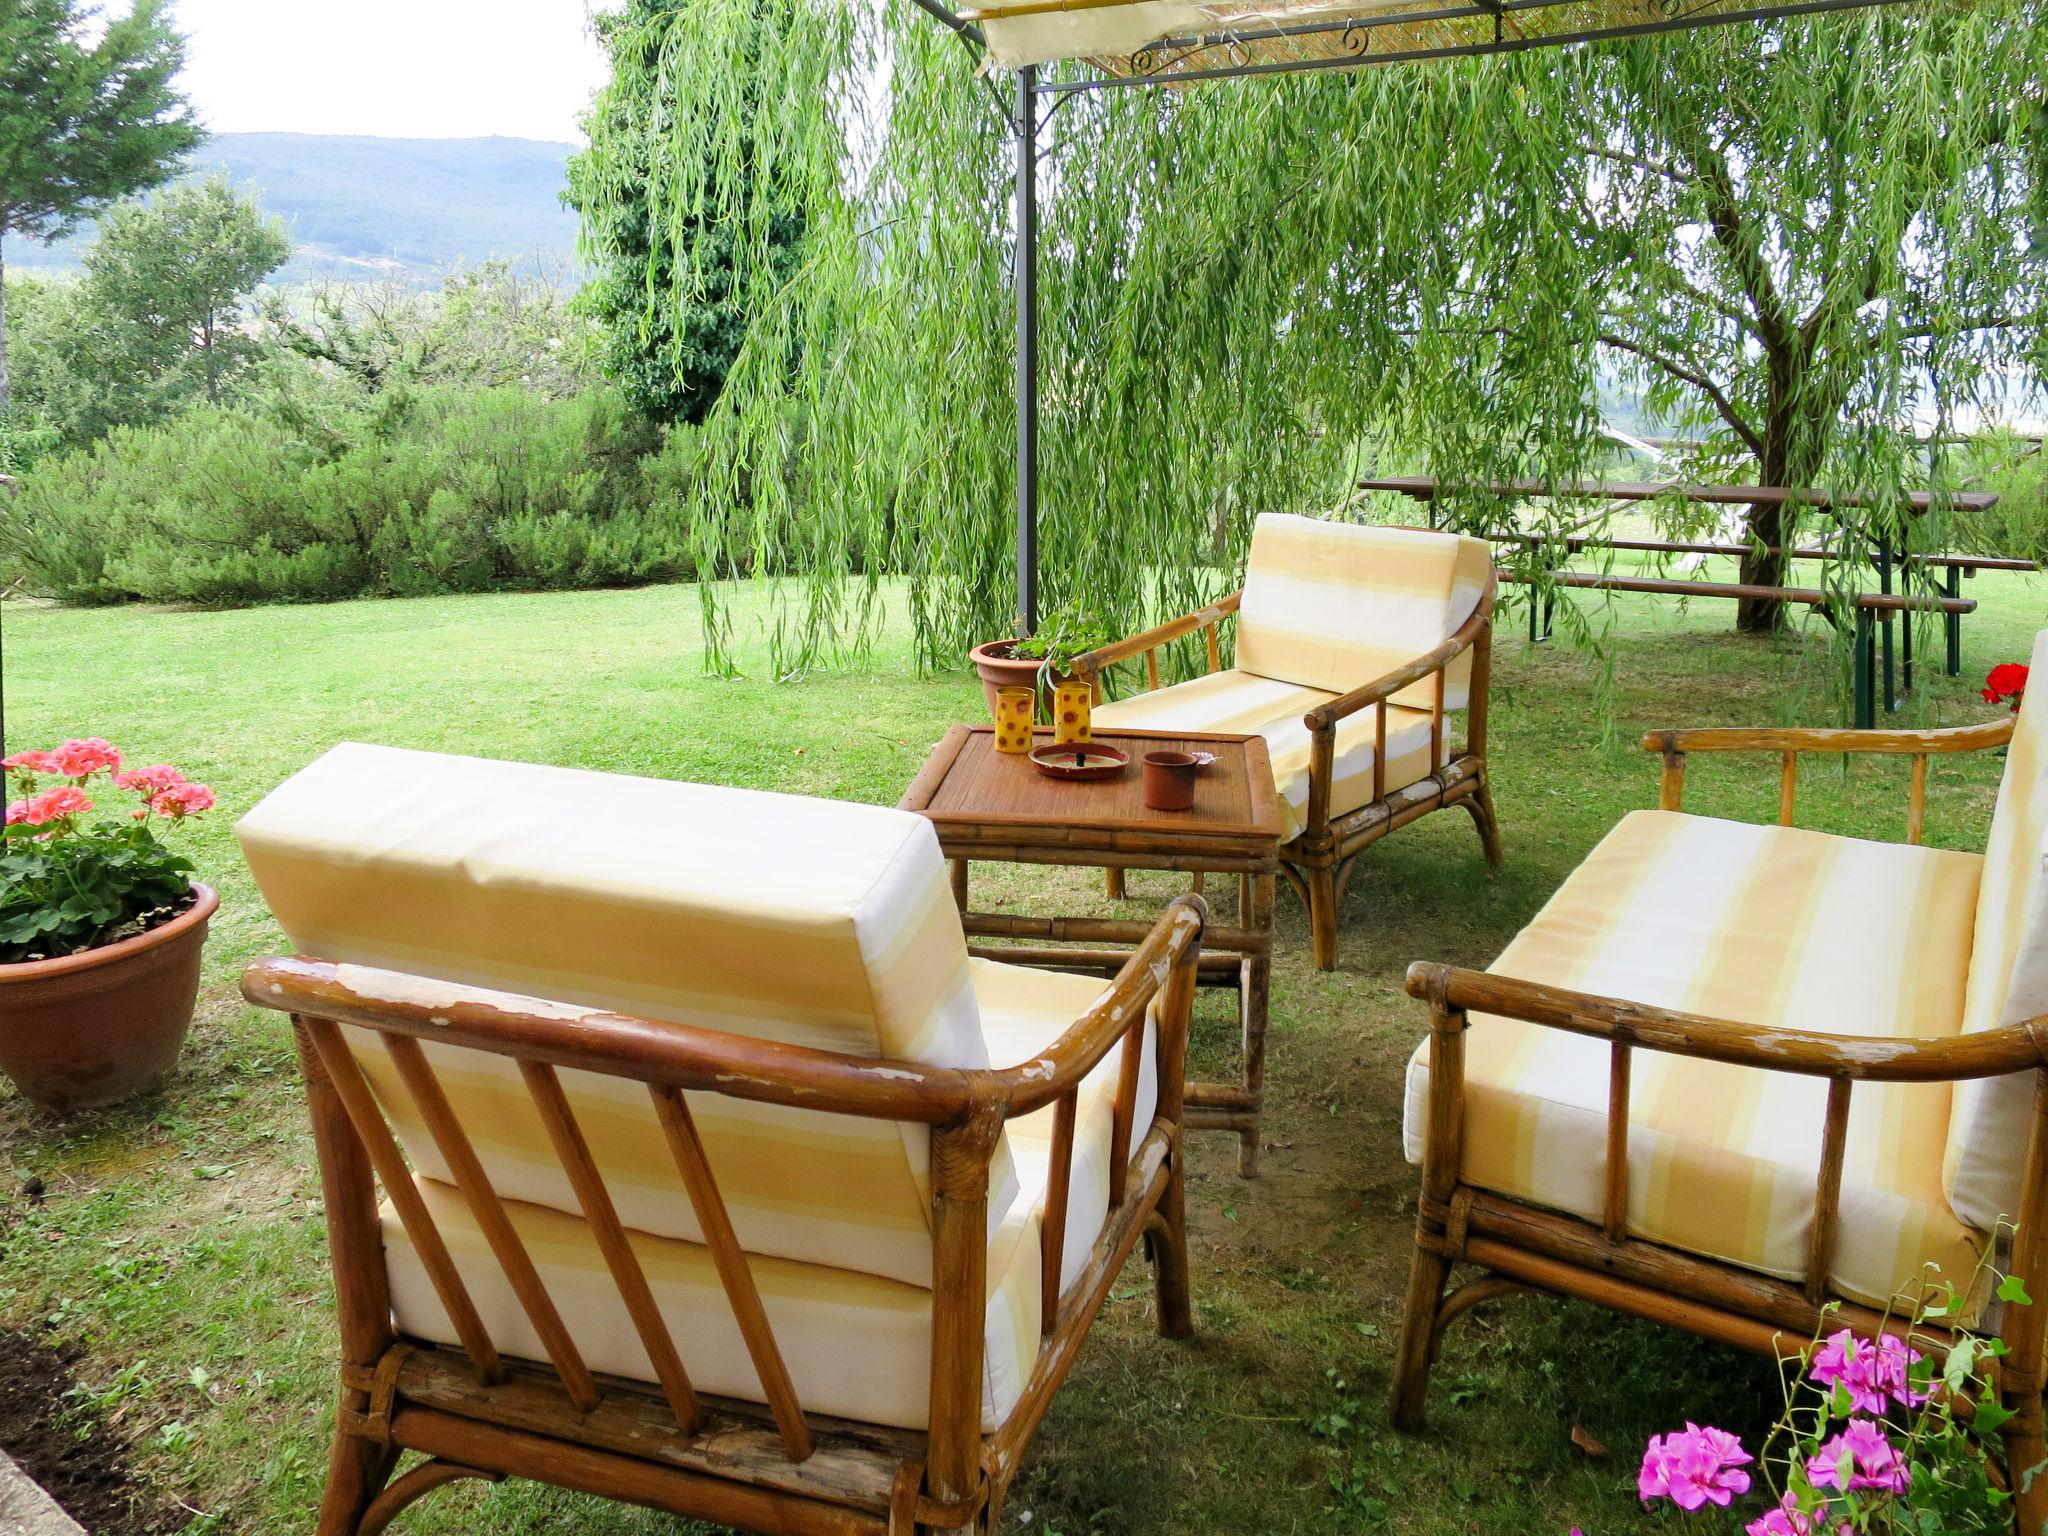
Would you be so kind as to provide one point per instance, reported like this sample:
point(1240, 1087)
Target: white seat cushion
point(1987, 1143)
point(1240, 704)
point(1762, 925)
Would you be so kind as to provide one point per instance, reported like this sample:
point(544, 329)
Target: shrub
point(448, 490)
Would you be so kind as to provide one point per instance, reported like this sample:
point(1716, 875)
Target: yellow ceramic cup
point(1013, 719)
point(1071, 703)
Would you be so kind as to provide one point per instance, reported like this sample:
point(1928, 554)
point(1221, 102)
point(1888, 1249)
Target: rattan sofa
point(704, 1183)
point(1734, 1075)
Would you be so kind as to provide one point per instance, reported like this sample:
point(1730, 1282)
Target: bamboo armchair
point(475, 1413)
point(1327, 837)
point(1598, 1252)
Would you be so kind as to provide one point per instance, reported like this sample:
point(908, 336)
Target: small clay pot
point(1170, 780)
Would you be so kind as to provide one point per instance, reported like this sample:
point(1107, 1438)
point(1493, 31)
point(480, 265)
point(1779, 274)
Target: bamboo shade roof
point(1166, 40)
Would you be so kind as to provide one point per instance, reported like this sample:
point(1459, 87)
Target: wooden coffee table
point(995, 806)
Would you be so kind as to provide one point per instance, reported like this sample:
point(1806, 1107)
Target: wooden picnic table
point(1951, 605)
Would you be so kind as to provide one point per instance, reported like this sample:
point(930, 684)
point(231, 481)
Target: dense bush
point(450, 490)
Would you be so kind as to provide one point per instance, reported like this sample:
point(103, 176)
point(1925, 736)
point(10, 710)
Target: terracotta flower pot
point(1000, 668)
point(90, 1029)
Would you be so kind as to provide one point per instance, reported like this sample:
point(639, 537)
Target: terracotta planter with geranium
point(101, 925)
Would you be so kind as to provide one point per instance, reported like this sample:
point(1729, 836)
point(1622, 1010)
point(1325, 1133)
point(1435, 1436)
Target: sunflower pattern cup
point(1013, 719)
point(1070, 707)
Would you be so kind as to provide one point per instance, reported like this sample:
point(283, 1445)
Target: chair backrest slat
point(1130, 1065)
point(1619, 1067)
point(733, 1271)
point(355, 1095)
point(489, 1211)
point(610, 1236)
point(1827, 1194)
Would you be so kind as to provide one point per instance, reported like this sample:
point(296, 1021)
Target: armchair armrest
point(1452, 991)
point(1091, 664)
point(1791, 741)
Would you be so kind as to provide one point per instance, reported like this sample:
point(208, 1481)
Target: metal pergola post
point(1024, 266)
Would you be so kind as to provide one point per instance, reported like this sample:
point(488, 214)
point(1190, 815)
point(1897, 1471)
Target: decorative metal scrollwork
point(1146, 60)
point(1354, 40)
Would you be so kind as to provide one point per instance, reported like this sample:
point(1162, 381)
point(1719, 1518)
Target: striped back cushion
point(1336, 605)
point(1987, 1139)
point(810, 922)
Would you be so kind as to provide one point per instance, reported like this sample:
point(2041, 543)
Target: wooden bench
point(1871, 609)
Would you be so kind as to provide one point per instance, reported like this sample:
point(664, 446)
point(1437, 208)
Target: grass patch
point(174, 1247)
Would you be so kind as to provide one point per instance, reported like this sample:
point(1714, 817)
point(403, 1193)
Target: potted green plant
point(101, 925)
point(1042, 659)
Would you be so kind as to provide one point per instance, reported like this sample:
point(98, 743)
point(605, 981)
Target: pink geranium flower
point(1860, 1457)
point(83, 756)
point(149, 781)
point(32, 762)
point(1873, 1372)
point(1695, 1467)
point(1788, 1519)
point(51, 805)
point(182, 800)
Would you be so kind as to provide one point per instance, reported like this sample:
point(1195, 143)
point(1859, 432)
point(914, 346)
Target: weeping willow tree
point(1790, 236)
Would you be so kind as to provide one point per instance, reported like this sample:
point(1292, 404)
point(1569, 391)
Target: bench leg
point(1113, 884)
point(1863, 684)
point(1953, 623)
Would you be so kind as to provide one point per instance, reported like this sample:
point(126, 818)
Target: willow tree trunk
point(1797, 424)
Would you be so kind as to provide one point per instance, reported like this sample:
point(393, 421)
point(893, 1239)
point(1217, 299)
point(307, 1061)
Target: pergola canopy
point(1136, 41)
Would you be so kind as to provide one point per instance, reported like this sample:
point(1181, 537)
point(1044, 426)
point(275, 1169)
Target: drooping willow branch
point(1252, 291)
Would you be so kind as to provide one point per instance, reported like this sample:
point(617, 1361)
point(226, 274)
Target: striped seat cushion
point(806, 921)
point(1987, 1144)
point(1762, 925)
point(1338, 605)
point(1238, 703)
point(857, 1345)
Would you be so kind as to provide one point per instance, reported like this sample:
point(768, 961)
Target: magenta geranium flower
point(1697, 1466)
point(1788, 1519)
point(1859, 1458)
point(1875, 1373)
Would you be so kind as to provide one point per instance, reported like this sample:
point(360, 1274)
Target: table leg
point(1254, 994)
point(1113, 884)
point(959, 870)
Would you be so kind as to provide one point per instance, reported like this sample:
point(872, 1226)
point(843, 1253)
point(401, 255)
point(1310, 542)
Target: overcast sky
point(438, 69)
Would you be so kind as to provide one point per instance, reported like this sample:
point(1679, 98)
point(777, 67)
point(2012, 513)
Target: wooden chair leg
point(1322, 914)
point(1113, 884)
point(1412, 1358)
point(2025, 1451)
point(1170, 1257)
point(357, 1470)
point(1480, 804)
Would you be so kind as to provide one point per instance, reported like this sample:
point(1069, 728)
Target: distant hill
point(370, 208)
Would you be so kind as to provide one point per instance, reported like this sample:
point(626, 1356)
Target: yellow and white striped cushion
point(1023, 1011)
point(857, 1345)
point(1239, 704)
point(806, 921)
point(1763, 925)
point(1987, 1144)
point(1337, 605)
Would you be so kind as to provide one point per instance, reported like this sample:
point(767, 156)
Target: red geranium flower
point(2007, 680)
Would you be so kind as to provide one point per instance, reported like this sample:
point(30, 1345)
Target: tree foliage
point(89, 112)
point(1249, 288)
point(167, 280)
point(670, 358)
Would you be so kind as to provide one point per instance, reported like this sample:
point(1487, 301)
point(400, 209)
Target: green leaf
point(2014, 1290)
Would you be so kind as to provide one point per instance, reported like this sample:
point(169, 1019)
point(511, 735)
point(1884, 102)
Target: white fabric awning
point(1165, 38)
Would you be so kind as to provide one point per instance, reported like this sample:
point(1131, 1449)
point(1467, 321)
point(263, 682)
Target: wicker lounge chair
point(1353, 642)
point(702, 1185)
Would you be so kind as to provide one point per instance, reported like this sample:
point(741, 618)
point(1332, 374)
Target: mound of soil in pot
point(89, 1477)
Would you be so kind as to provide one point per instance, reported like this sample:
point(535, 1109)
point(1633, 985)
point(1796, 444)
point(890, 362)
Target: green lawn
point(178, 1241)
